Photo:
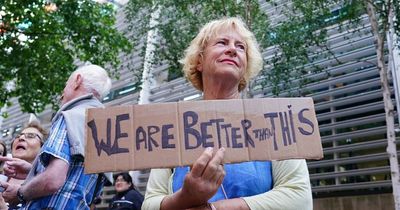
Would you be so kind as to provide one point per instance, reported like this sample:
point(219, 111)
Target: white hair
point(95, 80)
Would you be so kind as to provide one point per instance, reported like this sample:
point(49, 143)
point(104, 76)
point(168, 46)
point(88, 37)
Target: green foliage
point(39, 43)
point(396, 4)
point(301, 38)
point(288, 40)
point(291, 43)
point(180, 21)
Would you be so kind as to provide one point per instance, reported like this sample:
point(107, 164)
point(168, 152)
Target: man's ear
point(78, 81)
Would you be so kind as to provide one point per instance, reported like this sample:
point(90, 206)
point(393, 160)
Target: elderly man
point(56, 179)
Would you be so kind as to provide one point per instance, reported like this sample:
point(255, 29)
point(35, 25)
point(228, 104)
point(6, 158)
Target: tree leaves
point(39, 43)
point(181, 20)
point(294, 40)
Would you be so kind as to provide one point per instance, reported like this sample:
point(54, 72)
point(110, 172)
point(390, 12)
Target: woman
point(127, 197)
point(220, 61)
point(3, 153)
point(24, 149)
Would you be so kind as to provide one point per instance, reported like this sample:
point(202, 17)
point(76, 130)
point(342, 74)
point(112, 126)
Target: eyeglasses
point(28, 136)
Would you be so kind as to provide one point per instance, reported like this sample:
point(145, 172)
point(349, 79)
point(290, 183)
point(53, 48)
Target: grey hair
point(95, 80)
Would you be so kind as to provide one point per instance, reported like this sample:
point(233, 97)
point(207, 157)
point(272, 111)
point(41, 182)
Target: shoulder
point(58, 131)
point(74, 112)
point(59, 122)
point(134, 194)
point(115, 198)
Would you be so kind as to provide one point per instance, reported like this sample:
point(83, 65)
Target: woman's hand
point(200, 184)
point(202, 207)
point(10, 192)
point(15, 167)
point(3, 205)
point(205, 177)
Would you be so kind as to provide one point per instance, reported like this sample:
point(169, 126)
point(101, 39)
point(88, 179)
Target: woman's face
point(27, 144)
point(2, 149)
point(121, 185)
point(224, 57)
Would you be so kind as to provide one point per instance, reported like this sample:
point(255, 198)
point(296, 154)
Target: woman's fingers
point(9, 169)
point(205, 177)
point(214, 167)
point(201, 163)
point(220, 176)
point(4, 158)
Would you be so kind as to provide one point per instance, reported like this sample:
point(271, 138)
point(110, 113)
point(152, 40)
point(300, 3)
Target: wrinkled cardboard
point(166, 135)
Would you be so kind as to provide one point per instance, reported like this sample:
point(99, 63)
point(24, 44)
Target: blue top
point(78, 189)
point(127, 200)
point(241, 179)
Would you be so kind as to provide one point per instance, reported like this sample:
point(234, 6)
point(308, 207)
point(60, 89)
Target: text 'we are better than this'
point(260, 129)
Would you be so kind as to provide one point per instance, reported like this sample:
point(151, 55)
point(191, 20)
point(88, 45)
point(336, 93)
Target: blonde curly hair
point(194, 52)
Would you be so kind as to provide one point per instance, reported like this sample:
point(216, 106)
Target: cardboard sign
point(136, 137)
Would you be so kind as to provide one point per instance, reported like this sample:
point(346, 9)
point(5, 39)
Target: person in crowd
point(57, 179)
point(220, 62)
point(3, 149)
point(3, 153)
point(24, 149)
point(127, 197)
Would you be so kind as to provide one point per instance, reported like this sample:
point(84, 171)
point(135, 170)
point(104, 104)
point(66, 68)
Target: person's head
point(26, 145)
point(219, 44)
point(3, 149)
point(86, 79)
point(123, 182)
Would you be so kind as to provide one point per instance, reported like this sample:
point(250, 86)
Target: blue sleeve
point(57, 144)
point(100, 186)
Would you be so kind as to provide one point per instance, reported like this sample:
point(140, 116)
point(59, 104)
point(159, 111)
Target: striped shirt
point(78, 190)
